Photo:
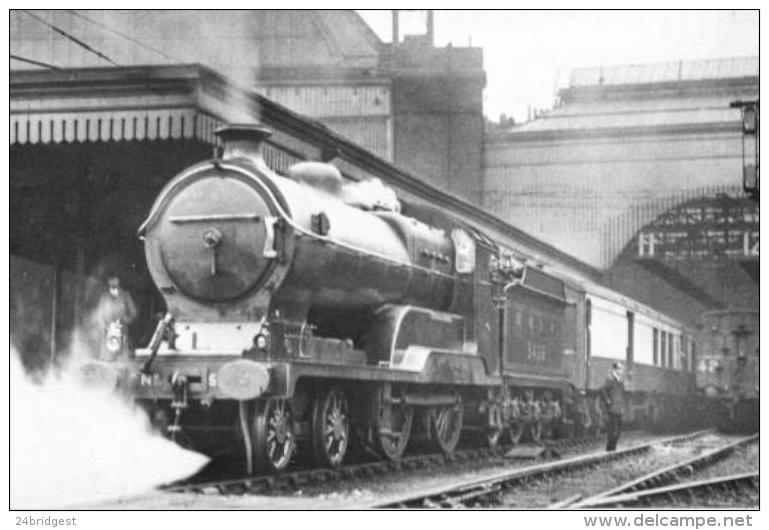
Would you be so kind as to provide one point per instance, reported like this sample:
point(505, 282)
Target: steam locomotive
point(310, 315)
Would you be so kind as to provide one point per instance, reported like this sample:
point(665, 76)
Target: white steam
point(371, 194)
point(71, 445)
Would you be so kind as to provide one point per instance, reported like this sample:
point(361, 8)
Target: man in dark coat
point(115, 306)
point(613, 395)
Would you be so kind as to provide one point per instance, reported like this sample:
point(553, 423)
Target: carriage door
point(588, 345)
point(630, 342)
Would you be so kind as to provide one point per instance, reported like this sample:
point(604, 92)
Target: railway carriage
point(657, 351)
point(310, 315)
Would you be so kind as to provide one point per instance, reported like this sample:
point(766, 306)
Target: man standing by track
point(613, 395)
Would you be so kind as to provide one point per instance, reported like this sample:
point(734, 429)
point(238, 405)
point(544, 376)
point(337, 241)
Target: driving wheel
point(274, 441)
point(446, 426)
point(330, 427)
point(392, 423)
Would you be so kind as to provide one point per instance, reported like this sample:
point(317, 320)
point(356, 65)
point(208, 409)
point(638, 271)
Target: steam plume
point(71, 445)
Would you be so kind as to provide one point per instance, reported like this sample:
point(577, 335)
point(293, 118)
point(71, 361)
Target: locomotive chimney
point(242, 140)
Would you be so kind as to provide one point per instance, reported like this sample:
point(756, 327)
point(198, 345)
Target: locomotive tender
point(308, 314)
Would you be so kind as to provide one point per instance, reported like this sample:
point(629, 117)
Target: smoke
point(371, 194)
point(71, 445)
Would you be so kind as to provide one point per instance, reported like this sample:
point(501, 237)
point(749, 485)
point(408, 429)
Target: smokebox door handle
point(269, 238)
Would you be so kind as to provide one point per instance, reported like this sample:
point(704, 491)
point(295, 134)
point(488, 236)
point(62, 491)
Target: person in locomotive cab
point(116, 310)
point(613, 396)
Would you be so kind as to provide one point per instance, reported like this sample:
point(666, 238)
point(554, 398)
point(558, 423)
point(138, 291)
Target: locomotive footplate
point(242, 379)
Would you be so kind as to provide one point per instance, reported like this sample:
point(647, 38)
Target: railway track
point(695, 493)
point(488, 491)
point(663, 477)
point(297, 480)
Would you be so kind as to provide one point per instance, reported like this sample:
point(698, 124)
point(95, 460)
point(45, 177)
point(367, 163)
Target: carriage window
point(683, 355)
point(690, 366)
point(663, 347)
point(655, 346)
point(692, 355)
point(671, 355)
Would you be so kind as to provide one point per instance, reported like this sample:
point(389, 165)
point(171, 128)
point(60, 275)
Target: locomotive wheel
point(274, 441)
point(493, 436)
point(446, 426)
point(393, 422)
point(495, 429)
point(536, 431)
point(548, 430)
point(330, 427)
point(516, 432)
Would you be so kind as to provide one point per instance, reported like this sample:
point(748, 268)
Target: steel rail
point(687, 491)
point(665, 476)
point(262, 484)
point(476, 492)
point(259, 484)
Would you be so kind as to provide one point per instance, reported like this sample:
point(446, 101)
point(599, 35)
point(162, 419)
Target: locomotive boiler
point(231, 242)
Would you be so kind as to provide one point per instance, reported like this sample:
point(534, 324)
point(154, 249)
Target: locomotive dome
point(320, 176)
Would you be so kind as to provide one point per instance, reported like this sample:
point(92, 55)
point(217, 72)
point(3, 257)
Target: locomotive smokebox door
point(218, 250)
